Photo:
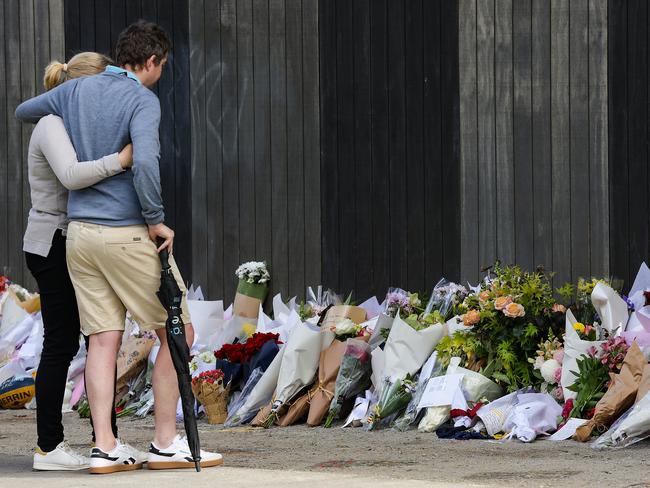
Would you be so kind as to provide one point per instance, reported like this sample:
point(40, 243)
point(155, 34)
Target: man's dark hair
point(139, 41)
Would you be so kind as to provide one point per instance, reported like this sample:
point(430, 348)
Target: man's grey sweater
point(102, 114)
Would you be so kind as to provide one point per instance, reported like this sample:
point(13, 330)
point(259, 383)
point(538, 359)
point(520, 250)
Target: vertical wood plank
point(230, 132)
point(14, 142)
point(599, 176)
point(415, 216)
point(505, 195)
point(311, 84)
point(329, 149)
point(560, 141)
point(295, 149)
point(450, 113)
point(263, 196)
point(86, 14)
point(363, 176)
point(181, 150)
point(617, 91)
point(468, 133)
point(41, 42)
point(522, 133)
point(345, 138)
point(199, 194)
point(246, 134)
point(541, 126)
point(72, 27)
point(579, 130)
point(381, 248)
point(57, 29)
point(4, 141)
point(434, 201)
point(28, 90)
point(279, 175)
point(637, 131)
point(215, 69)
point(485, 26)
point(102, 23)
point(397, 147)
point(118, 18)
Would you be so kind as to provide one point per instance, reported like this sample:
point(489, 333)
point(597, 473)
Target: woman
point(53, 170)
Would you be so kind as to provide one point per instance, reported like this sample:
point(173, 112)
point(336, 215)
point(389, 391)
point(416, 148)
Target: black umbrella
point(171, 298)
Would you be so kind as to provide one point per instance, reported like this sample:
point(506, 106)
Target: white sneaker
point(178, 455)
point(122, 457)
point(62, 458)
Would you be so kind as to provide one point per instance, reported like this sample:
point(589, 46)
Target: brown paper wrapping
point(262, 415)
point(323, 391)
point(246, 306)
point(619, 396)
point(644, 386)
point(339, 312)
point(214, 398)
point(296, 411)
point(131, 359)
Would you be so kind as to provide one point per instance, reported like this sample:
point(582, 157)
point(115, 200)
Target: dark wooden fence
point(370, 143)
point(255, 140)
point(389, 158)
point(94, 25)
point(534, 165)
point(628, 81)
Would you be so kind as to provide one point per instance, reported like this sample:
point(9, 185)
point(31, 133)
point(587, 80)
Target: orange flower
point(471, 318)
point(514, 310)
point(502, 302)
point(558, 307)
point(484, 296)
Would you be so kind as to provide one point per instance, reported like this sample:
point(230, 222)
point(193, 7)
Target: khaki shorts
point(115, 269)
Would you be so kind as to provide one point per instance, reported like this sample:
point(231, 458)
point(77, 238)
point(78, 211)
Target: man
point(111, 254)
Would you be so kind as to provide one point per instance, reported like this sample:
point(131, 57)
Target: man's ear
point(151, 62)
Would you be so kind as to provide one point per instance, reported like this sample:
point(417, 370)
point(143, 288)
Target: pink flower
point(559, 355)
point(592, 351)
point(558, 394)
point(558, 375)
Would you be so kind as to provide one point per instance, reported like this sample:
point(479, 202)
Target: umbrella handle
point(163, 255)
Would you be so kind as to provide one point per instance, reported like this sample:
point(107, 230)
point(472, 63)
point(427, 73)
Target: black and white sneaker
point(122, 457)
point(178, 455)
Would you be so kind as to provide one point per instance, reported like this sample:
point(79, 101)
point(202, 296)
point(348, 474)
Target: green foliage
point(590, 385)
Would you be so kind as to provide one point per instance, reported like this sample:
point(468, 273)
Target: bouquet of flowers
point(621, 391)
point(252, 289)
point(510, 315)
point(395, 397)
point(548, 364)
point(347, 329)
point(317, 302)
point(445, 296)
point(590, 384)
point(237, 360)
point(203, 361)
point(400, 301)
point(430, 369)
point(353, 376)
point(210, 391)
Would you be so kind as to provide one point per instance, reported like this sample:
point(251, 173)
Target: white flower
point(548, 370)
point(204, 357)
point(346, 327)
point(253, 272)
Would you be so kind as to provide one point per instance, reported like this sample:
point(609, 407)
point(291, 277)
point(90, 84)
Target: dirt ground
point(388, 455)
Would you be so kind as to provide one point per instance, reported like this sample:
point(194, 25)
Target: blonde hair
point(82, 64)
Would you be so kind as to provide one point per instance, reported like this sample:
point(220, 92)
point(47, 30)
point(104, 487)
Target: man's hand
point(126, 156)
point(163, 232)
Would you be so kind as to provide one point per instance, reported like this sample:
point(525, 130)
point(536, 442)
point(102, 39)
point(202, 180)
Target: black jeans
point(60, 340)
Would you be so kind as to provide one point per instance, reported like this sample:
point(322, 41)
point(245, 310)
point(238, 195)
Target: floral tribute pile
point(511, 357)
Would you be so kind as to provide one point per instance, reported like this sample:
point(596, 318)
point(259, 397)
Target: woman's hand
point(126, 156)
